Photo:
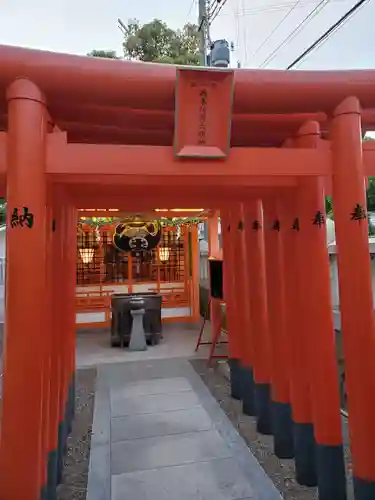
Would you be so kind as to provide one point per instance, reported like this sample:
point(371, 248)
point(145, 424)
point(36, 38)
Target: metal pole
point(202, 26)
point(207, 25)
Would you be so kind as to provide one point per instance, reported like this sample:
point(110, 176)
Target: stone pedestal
point(137, 336)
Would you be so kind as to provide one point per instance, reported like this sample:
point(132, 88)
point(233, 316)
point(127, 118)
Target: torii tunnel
point(259, 147)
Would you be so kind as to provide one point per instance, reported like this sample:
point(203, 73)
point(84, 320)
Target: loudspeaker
point(216, 278)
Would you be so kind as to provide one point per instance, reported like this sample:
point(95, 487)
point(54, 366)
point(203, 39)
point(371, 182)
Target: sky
point(79, 26)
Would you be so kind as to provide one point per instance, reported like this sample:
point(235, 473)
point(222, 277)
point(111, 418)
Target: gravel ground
point(281, 472)
point(77, 459)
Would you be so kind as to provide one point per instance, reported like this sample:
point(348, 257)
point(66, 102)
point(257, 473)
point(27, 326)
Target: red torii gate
point(252, 144)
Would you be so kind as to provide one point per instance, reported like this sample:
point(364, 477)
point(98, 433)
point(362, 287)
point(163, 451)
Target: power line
point(207, 15)
point(306, 20)
point(237, 24)
point(191, 8)
point(277, 7)
point(269, 36)
point(330, 32)
point(238, 13)
point(244, 34)
point(219, 4)
point(212, 7)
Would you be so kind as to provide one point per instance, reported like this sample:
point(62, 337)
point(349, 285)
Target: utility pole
point(204, 27)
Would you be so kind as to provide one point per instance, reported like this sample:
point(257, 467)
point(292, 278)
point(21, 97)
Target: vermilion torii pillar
point(279, 335)
point(234, 344)
point(355, 288)
point(48, 389)
point(304, 446)
point(318, 329)
point(22, 457)
point(68, 328)
point(244, 315)
point(57, 245)
point(70, 262)
point(258, 313)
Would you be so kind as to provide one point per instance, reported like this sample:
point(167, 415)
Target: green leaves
point(99, 221)
point(106, 54)
point(179, 221)
point(371, 194)
point(156, 42)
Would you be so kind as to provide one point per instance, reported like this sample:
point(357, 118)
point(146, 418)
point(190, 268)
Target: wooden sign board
point(203, 113)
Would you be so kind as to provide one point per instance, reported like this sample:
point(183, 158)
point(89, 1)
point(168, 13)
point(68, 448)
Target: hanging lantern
point(87, 255)
point(164, 253)
point(137, 235)
point(88, 240)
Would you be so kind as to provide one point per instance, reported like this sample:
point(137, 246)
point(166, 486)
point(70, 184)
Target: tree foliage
point(107, 54)
point(156, 42)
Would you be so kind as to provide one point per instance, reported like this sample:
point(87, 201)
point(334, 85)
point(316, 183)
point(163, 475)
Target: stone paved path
point(158, 434)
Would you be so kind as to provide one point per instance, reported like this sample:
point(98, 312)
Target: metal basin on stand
point(122, 321)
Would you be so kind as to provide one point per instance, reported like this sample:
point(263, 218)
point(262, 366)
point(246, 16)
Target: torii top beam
point(109, 101)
